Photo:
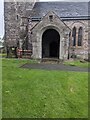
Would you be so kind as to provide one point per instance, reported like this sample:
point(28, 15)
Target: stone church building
point(49, 29)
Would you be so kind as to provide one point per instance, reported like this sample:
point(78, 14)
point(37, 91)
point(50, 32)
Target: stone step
point(51, 60)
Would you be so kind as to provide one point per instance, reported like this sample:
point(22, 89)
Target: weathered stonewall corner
point(49, 29)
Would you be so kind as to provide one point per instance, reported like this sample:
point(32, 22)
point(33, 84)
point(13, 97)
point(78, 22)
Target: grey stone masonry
point(26, 23)
point(44, 25)
point(13, 13)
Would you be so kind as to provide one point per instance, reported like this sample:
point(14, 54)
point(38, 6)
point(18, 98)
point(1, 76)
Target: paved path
point(60, 67)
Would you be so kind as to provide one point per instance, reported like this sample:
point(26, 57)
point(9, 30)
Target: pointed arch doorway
point(50, 44)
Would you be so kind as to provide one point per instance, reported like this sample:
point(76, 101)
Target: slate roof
point(62, 9)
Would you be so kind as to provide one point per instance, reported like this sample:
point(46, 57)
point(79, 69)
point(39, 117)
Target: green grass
point(42, 93)
point(77, 63)
point(3, 55)
point(0, 89)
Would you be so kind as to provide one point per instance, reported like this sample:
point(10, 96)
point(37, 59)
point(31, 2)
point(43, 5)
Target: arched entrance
point(50, 44)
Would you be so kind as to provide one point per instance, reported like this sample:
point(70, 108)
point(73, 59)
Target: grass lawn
point(43, 93)
point(78, 63)
point(3, 55)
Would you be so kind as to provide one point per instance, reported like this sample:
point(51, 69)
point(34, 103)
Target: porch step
point(51, 60)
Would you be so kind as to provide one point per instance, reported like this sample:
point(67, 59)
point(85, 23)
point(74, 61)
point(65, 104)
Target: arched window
point(69, 39)
point(80, 36)
point(74, 36)
point(17, 17)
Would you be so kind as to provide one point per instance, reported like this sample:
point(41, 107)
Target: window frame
point(74, 38)
point(80, 36)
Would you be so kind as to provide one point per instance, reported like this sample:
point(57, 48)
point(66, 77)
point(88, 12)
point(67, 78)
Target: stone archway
point(50, 44)
point(60, 47)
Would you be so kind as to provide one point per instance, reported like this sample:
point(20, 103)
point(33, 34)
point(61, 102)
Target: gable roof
point(62, 9)
point(56, 17)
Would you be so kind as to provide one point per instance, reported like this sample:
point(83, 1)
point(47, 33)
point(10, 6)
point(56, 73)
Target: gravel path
point(60, 67)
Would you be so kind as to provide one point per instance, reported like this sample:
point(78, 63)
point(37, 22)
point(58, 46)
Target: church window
point(69, 38)
point(17, 17)
point(51, 17)
point(74, 36)
point(80, 36)
point(28, 20)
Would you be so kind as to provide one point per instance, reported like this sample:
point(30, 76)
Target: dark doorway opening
point(54, 49)
point(50, 44)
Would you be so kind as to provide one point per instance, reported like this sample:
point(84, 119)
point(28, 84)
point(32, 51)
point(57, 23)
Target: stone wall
point(13, 13)
point(80, 51)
